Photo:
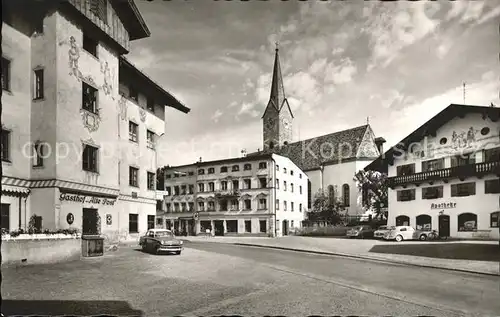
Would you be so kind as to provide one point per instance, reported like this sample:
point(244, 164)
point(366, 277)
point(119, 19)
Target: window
point(346, 195)
point(151, 222)
point(201, 188)
point(223, 169)
point(309, 194)
point(291, 187)
point(176, 175)
point(263, 182)
point(184, 207)
point(223, 185)
point(191, 207)
point(463, 189)
point(300, 189)
point(90, 45)
point(38, 154)
point(38, 84)
point(89, 98)
point(211, 187)
point(5, 145)
point(211, 206)
point(183, 190)
point(277, 204)
point(461, 160)
point(402, 221)
point(424, 222)
point(150, 104)
point(262, 226)
point(247, 183)
point(407, 169)
point(201, 206)
point(291, 224)
point(277, 167)
point(5, 217)
point(300, 207)
point(284, 170)
point(248, 226)
point(300, 176)
point(432, 192)
point(89, 159)
point(159, 205)
point(492, 186)
point(494, 219)
point(201, 171)
point(150, 137)
point(133, 223)
point(248, 204)
point(277, 183)
point(190, 173)
point(284, 205)
point(291, 172)
point(232, 226)
point(177, 191)
point(406, 195)
point(5, 74)
point(491, 155)
point(211, 170)
point(132, 131)
point(133, 94)
point(159, 222)
point(235, 168)
point(151, 181)
point(262, 165)
point(291, 206)
point(236, 185)
point(467, 222)
point(100, 9)
point(168, 190)
point(262, 203)
point(190, 189)
point(176, 207)
point(433, 165)
point(223, 205)
point(331, 194)
point(169, 176)
point(169, 207)
point(247, 167)
point(133, 176)
point(235, 205)
point(284, 185)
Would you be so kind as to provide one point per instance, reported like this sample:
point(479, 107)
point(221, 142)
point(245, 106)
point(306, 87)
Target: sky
point(393, 64)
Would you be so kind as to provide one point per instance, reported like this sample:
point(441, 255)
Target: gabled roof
point(312, 153)
point(131, 18)
point(164, 97)
point(430, 127)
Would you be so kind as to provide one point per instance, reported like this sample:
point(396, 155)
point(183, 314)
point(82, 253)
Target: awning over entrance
point(15, 191)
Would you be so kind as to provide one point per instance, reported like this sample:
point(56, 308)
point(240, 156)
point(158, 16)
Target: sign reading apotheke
point(87, 199)
point(444, 206)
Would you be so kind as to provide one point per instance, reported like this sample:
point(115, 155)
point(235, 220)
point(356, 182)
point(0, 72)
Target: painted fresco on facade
point(122, 107)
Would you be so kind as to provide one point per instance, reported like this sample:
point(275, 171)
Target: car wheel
point(178, 252)
point(399, 238)
point(143, 247)
point(423, 237)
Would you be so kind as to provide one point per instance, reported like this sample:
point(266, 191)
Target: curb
point(368, 258)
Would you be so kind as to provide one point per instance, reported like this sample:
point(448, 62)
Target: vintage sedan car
point(360, 232)
point(160, 240)
point(400, 233)
point(381, 231)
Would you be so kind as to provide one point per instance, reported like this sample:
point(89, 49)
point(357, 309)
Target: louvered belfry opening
point(99, 8)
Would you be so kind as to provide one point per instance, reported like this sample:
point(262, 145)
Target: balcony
point(461, 172)
point(227, 193)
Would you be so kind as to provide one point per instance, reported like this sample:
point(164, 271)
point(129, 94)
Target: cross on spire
point(277, 45)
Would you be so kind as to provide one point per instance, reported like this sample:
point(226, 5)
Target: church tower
point(278, 117)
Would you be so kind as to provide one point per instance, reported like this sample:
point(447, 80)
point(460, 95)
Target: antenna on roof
point(367, 120)
point(464, 91)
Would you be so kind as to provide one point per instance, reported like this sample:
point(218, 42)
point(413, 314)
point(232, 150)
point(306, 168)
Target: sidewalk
point(361, 249)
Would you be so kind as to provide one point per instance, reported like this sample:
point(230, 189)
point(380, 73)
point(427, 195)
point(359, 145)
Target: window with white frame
point(38, 84)
point(133, 131)
point(5, 144)
point(150, 136)
point(133, 176)
point(89, 98)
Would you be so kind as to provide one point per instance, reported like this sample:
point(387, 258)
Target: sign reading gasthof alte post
point(444, 205)
point(87, 199)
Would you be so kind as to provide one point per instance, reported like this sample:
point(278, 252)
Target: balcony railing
point(227, 193)
point(470, 170)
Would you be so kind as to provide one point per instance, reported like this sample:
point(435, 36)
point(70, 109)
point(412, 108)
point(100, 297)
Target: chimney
point(200, 159)
point(379, 142)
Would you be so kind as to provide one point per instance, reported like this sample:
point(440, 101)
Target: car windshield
point(163, 234)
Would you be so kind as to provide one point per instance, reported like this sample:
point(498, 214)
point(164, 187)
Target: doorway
point(90, 222)
point(285, 227)
point(444, 225)
point(219, 227)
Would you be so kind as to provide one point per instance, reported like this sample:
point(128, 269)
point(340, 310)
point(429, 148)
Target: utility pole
point(464, 91)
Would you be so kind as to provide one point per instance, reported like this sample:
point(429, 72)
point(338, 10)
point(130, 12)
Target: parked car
point(381, 231)
point(160, 240)
point(400, 233)
point(360, 232)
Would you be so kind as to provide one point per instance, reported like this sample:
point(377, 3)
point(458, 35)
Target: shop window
point(406, 195)
point(133, 223)
point(495, 219)
point(90, 222)
point(432, 192)
point(263, 226)
point(467, 222)
point(232, 226)
point(463, 189)
point(424, 222)
point(248, 226)
point(402, 221)
point(5, 217)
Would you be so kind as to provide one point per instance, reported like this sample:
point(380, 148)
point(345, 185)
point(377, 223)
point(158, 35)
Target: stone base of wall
point(46, 250)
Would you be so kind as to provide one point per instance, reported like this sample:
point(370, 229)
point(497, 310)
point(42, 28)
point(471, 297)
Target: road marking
point(372, 291)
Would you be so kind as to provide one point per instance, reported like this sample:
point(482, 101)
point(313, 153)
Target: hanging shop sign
point(87, 199)
point(444, 206)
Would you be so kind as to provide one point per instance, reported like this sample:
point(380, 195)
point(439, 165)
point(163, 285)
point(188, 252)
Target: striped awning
point(9, 190)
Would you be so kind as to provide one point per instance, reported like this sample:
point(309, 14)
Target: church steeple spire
point(277, 89)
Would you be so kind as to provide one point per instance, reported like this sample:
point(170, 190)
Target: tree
point(325, 209)
point(373, 188)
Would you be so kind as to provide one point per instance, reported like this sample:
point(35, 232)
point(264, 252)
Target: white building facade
point(80, 122)
point(239, 196)
point(446, 176)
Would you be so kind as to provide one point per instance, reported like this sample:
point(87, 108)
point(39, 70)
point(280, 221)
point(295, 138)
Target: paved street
point(213, 278)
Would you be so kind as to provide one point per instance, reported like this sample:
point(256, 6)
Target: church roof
point(331, 148)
